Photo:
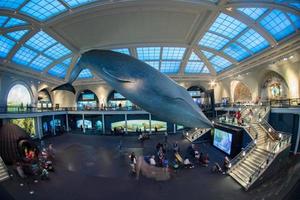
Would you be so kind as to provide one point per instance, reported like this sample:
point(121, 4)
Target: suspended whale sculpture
point(143, 85)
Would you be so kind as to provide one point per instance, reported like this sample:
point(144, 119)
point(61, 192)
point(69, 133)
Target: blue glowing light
point(213, 41)
point(5, 46)
point(236, 52)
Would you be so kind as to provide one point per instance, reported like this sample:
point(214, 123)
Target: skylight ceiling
point(232, 37)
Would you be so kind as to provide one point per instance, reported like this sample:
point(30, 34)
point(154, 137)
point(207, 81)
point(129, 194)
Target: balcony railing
point(31, 109)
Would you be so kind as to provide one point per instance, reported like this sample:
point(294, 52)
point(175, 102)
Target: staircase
point(3, 171)
point(250, 164)
point(195, 133)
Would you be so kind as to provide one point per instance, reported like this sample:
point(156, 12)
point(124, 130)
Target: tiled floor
point(92, 167)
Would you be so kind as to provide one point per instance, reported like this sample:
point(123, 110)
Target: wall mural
point(273, 87)
point(242, 93)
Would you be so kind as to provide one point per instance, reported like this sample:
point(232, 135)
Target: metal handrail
point(285, 140)
point(239, 157)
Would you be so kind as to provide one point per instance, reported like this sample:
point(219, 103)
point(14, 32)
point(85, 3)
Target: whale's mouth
point(115, 77)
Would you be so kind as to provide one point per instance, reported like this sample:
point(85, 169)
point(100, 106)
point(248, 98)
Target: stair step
point(244, 170)
point(242, 175)
point(238, 179)
point(251, 163)
point(249, 167)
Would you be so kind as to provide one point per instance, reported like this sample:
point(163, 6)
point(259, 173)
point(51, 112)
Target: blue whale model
point(143, 85)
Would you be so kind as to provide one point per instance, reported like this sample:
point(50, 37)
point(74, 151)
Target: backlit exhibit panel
point(223, 140)
point(134, 125)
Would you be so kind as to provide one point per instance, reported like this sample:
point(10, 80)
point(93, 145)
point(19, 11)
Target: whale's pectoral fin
point(66, 86)
point(115, 77)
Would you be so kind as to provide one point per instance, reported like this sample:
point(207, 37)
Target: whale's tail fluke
point(67, 87)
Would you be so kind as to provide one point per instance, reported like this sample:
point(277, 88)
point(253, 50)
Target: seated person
point(205, 160)
point(140, 137)
point(187, 163)
point(175, 164)
point(176, 147)
point(152, 161)
point(191, 150)
point(197, 155)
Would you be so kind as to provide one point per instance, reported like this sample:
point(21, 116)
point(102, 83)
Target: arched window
point(87, 100)
point(18, 98)
point(117, 101)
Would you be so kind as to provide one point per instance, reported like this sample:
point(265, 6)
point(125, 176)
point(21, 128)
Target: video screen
point(223, 140)
point(87, 124)
point(88, 97)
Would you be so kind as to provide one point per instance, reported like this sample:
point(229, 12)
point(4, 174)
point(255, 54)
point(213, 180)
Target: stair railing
point(242, 155)
point(279, 145)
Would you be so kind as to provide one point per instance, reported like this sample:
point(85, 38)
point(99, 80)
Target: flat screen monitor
point(223, 140)
point(88, 97)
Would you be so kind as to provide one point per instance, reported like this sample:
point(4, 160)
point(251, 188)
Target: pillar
point(103, 124)
point(298, 138)
point(53, 118)
point(150, 126)
point(83, 125)
point(67, 123)
point(126, 131)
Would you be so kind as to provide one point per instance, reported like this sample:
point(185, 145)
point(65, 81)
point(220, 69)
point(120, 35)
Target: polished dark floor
point(92, 167)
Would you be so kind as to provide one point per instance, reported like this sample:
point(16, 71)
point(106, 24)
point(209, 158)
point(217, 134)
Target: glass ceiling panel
point(277, 24)
point(11, 4)
point(57, 51)
point(5, 46)
point(17, 35)
point(43, 9)
point(253, 41)
point(220, 63)
point(172, 53)
point(194, 67)
point(40, 41)
point(227, 26)
point(154, 64)
point(3, 19)
point(254, 13)
point(148, 53)
point(205, 70)
point(207, 54)
point(58, 70)
point(24, 56)
point(237, 52)
point(295, 19)
point(67, 61)
point(194, 57)
point(75, 3)
point(124, 51)
point(213, 41)
point(14, 22)
point(84, 74)
point(40, 62)
point(169, 66)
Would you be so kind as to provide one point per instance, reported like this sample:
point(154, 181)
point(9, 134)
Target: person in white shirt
point(152, 160)
point(187, 163)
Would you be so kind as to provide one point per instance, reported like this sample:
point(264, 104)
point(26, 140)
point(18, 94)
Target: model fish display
point(142, 85)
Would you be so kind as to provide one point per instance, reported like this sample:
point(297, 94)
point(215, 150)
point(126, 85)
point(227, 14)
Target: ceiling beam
point(20, 43)
point(72, 65)
point(219, 53)
point(199, 53)
point(262, 4)
point(252, 24)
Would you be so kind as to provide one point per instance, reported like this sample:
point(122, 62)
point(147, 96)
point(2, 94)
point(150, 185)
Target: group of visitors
point(36, 163)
